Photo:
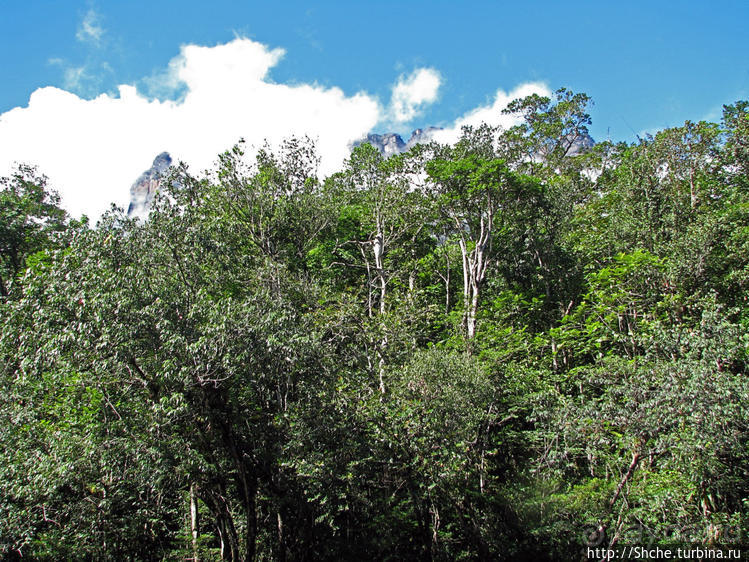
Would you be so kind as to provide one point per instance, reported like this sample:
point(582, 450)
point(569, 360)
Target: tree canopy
point(513, 347)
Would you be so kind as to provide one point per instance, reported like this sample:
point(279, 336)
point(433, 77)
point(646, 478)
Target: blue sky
point(382, 66)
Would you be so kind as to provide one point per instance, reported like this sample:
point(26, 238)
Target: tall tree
point(30, 220)
point(487, 206)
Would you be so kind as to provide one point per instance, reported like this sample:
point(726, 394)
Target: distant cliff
point(143, 190)
point(392, 143)
point(145, 187)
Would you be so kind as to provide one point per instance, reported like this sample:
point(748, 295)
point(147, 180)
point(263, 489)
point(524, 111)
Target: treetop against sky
point(95, 90)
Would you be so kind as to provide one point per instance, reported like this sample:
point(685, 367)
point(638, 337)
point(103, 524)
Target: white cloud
point(491, 114)
point(411, 93)
point(90, 30)
point(92, 150)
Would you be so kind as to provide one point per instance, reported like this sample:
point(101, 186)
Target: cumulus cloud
point(413, 92)
point(210, 97)
point(92, 150)
point(491, 113)
point(90, 29)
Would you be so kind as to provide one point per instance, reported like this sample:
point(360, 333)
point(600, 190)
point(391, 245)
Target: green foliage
point(30, 221)
point(500, 349)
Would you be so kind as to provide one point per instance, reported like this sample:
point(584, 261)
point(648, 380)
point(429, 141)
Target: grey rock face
point(145, 187)
point(392, 143)
point(419, 136)
point(388, 144)
point(143, 190)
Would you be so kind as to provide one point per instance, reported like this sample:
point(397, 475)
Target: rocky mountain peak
point(144, 188)
point(421, 136)
point(392, 143)
point(388, 143)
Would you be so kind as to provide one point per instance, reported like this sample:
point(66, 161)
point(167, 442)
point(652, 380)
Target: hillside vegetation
point(502, 349)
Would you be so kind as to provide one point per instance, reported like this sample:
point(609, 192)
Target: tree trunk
point(471, 316)
point(251, 515)
point(281, 544)
point(466, 282)
point(475, 265)
point(194, 523)
point(447, 284)
point(369, 280)
point(216, 501)
point(247, 485)
point(378, 249)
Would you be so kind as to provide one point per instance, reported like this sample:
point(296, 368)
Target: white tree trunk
point(194, 523)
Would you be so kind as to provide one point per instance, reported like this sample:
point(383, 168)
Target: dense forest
point(501, 349)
